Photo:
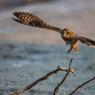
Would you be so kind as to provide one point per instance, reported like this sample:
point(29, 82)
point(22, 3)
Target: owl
point(67, 35)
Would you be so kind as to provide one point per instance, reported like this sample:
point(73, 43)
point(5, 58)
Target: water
point(21, 64)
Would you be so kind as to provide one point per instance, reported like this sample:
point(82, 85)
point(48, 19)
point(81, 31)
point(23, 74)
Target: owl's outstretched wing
point(84, 40)
point(32, 20)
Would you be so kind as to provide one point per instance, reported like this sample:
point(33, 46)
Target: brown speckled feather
point(68, 36)
point(32, 20)
point(84, 40)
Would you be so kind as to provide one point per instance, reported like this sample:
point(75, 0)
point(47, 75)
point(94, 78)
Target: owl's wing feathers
point(17, 20)
point(84, 40)
point(32, 20)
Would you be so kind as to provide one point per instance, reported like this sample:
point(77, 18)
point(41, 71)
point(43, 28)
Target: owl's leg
point(71, 48)
point(74, 46)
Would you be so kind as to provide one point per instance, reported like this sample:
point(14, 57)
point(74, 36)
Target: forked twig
point(28, 87)
point(81, 85)
point(63, 80)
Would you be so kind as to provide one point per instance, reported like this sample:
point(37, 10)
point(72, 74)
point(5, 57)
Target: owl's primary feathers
point(32, 20)
point(68, 36)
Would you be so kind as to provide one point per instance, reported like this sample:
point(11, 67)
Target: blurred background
point(26, 53)
point(10, 3)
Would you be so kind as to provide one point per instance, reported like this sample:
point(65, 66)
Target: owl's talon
point(68, 51)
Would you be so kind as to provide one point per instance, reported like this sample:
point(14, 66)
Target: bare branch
point(28, 87)
point(81, 85)
point(63, 80)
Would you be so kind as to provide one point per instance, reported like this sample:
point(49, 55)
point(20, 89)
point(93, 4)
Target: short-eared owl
point(68, 36)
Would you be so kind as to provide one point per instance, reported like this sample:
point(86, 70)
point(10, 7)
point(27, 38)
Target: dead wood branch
point(63, 80)
point(28, 87)
point(81, 85)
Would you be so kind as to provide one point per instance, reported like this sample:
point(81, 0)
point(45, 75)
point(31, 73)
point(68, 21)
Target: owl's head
point(66, 33)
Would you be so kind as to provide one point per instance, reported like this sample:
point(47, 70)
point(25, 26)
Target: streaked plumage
point(32, 20)
point(68, 36)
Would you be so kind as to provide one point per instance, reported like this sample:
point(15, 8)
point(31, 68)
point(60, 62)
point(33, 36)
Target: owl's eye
point(67, 32)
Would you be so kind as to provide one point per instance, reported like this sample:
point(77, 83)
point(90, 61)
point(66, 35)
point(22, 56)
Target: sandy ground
point(78, 15)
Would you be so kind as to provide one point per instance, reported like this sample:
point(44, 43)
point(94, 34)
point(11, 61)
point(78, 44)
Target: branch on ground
point(28, 87)
point(81, 85)
point(63, 80)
